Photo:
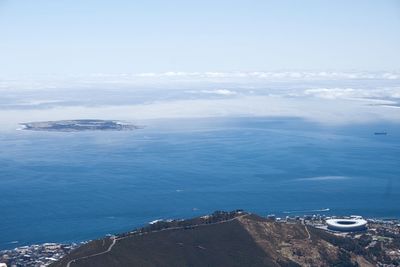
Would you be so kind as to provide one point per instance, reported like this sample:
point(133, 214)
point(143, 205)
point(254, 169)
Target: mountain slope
point(236, 239)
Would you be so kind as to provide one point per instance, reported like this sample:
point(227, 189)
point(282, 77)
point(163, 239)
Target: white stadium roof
point(347, 225)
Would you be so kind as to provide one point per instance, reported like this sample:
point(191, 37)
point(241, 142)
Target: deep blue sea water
point(65, 187)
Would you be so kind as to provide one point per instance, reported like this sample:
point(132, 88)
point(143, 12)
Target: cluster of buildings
point(35, 255)
point(304, 218)
point(351, 223)
point(315, 220)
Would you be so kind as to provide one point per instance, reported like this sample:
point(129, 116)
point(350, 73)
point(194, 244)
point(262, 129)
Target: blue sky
point(85, 36)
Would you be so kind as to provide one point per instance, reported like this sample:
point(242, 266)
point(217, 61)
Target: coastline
point(48, 253)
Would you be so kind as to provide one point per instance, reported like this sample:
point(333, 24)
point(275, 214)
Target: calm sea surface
point(64, 187)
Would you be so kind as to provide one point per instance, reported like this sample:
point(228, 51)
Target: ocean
point(70, 187)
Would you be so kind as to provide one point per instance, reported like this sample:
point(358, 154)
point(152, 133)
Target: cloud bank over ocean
point(302, 75)
point(324, 97)
point(56, 81)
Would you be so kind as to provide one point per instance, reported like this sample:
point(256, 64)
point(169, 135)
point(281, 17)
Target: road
point(309, 236)
point(114, 240)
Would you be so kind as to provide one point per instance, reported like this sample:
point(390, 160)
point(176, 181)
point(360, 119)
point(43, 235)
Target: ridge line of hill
point(116, 239)
point(238, 238)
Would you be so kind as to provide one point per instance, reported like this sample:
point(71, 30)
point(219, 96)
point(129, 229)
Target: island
point(79, 125)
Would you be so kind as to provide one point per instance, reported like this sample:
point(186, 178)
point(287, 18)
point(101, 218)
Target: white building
point(347, 225)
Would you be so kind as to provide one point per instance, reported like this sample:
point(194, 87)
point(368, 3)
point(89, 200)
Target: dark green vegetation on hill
point(225, 239)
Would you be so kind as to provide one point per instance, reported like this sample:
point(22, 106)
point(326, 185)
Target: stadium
point(347, 225)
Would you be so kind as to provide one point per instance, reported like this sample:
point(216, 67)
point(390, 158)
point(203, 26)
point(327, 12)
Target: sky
point(331, 62)
point(120, 36)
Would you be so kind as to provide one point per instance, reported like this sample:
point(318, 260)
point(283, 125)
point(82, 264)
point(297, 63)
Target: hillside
point(223, 239)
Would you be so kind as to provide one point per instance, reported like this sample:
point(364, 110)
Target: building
point(347, 225)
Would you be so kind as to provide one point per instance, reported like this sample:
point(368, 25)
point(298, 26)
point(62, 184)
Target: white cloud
point(348, 93)
point(147, 74)
point(391, 76)
point(331, 93)
point(176, 77)
point(224, 92)
point(285, 75)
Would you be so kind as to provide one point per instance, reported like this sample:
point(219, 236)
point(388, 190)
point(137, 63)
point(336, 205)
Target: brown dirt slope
point(246, 240)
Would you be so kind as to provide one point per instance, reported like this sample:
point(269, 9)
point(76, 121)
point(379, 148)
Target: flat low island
point(79, 125)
